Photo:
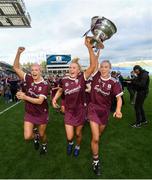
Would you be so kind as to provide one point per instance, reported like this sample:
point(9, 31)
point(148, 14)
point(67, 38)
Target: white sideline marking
point(9, 108)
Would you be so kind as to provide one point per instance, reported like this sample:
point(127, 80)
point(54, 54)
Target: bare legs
point(28, 131)
point(70, 135)
point(96, 131)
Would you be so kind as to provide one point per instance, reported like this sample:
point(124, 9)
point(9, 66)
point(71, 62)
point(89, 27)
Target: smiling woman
point(36, 106)
point(73, 88)
point(36, 72)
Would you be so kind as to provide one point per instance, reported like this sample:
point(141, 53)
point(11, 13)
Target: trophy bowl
point(102, 29)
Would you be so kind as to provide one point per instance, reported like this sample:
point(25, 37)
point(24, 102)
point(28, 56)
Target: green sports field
point(125, 152)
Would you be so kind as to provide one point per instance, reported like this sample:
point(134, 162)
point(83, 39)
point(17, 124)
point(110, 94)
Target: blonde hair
point(106, 61)
point(75, 60)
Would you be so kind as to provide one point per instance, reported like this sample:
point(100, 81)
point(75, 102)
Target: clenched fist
point(20, 95)
point(88, 42)
point(117, 114)
point(21, 49)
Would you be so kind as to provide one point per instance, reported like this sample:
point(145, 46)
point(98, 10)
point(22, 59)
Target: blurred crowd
point(9, 85)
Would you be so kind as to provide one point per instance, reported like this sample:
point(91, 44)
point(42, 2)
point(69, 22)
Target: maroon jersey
point(53, 84)
point(23, 86)
point(102, 93)
point(74, 92)
point(103, 90)
point(88, 90)
point(35, 90)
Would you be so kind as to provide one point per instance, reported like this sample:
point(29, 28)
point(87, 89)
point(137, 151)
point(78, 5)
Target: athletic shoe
point(69, 149)
point(136, 125)
point(36, 144)
point(43, 149)
point(144, 122)
point(76, 152)
point(96, 168)
point(35, 131)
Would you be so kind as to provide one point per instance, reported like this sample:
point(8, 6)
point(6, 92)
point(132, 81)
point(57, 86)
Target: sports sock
point(77, 147)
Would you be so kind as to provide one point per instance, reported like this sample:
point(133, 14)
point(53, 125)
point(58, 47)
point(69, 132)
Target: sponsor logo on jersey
point(98, 89)
point(74, 90)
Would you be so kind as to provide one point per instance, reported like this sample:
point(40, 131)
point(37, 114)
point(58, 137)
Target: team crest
point(40, 88)
point(32, 84)
point(66, 84)
point(99, 81)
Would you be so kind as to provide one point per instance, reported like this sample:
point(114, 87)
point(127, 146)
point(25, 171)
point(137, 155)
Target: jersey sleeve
point(95, 75)
point(44, 90)
point(28, 78)
point(117, 89)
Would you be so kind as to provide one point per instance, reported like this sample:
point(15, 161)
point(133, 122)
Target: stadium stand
point(13, 14)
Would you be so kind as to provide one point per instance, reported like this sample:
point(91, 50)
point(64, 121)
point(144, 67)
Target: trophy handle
point(85, 34)
point(97, 44)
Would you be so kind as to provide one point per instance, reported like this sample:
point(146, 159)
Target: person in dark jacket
point(141, 86)
point(131, 90)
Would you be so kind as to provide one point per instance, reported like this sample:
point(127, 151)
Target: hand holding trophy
point(102, 29)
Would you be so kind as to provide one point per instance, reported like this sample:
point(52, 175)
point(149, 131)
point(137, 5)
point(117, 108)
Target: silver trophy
point(102, 29)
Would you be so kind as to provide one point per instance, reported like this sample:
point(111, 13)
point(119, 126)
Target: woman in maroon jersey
point(36, 106)
point(73, 87)
point(103, 89)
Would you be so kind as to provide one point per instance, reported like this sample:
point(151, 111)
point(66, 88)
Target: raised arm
point(16, 65)
point(93, 58)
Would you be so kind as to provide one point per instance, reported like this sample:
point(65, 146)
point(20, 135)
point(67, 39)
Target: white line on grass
point(9, 108)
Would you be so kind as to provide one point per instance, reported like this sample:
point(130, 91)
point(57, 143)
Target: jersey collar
point(105, 79)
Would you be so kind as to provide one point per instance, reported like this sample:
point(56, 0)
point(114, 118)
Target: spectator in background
point(131, 90)
point(1, 88)
point(141, 85)
point(7, 93)
point(121, 79)
point(14, 87)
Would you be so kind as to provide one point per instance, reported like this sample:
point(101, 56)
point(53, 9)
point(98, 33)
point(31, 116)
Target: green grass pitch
point(125, 152)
